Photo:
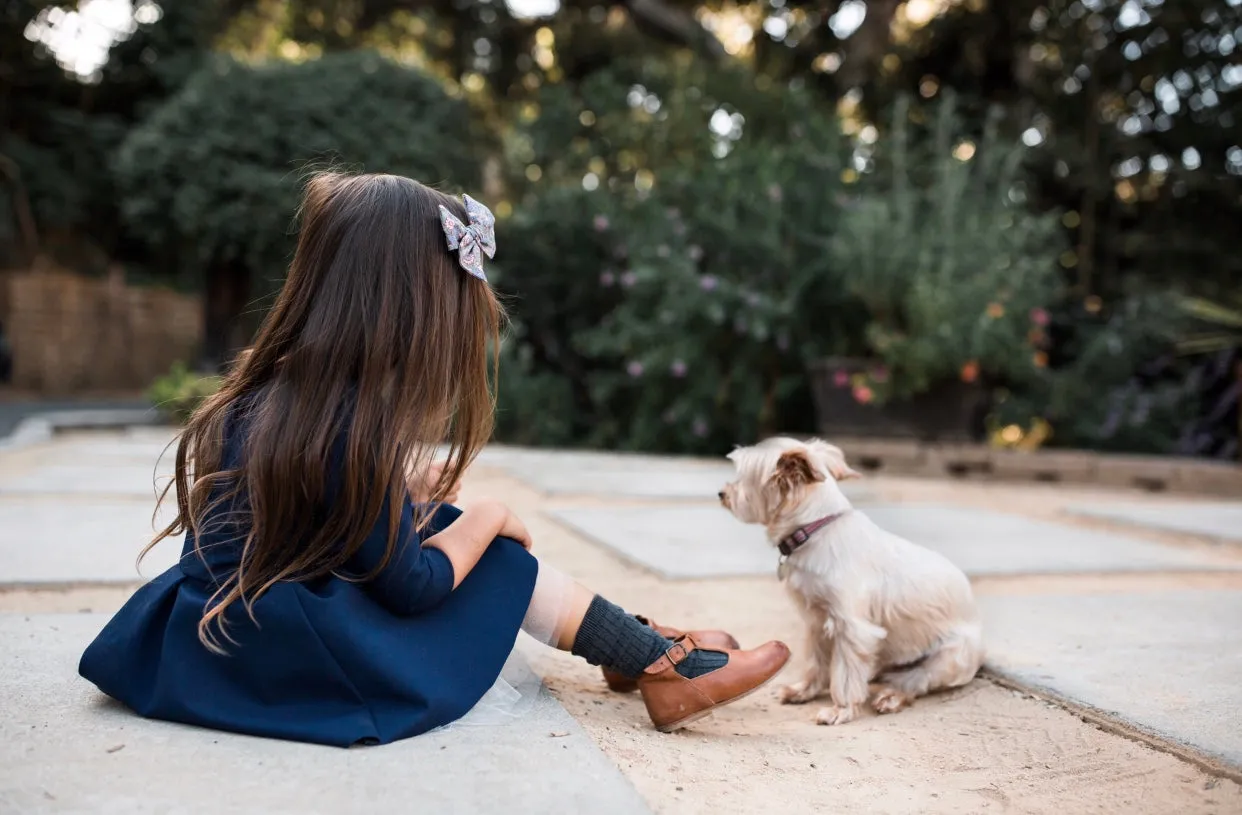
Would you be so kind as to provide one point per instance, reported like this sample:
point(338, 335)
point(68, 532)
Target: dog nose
point(720, 495)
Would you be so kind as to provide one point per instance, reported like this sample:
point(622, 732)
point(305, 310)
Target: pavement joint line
point(1109, 723)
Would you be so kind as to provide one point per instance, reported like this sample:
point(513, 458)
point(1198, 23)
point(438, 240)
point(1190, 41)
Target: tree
point(58, 130)
point(210, 179)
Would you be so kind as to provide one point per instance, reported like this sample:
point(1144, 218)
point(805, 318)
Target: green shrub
point(178, 393)
point(955, 271)
point(673, 310)
point(212, 176)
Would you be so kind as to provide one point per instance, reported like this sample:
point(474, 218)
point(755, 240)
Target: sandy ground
point(984, 748)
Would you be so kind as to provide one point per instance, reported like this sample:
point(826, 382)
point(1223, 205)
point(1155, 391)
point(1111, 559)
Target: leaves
point(213, 175)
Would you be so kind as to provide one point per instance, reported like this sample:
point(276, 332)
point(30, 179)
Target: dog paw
point(798, 693)
point(890, 700)
point(836, 714)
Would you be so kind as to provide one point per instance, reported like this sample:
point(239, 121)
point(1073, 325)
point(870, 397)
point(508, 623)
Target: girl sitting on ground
point(323, 594)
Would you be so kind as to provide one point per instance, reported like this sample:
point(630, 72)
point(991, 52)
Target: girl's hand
point(423, 485)
point(514, 528)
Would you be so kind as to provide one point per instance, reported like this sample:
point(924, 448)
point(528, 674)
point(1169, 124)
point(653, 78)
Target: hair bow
point(473, 241)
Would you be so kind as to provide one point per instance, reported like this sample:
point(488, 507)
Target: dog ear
point(795, 467)
point(844, 472)
point(834, 459)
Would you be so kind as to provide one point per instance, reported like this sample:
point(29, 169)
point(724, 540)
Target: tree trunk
point(225, 295)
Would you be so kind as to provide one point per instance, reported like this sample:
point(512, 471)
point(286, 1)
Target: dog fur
point(878, 608)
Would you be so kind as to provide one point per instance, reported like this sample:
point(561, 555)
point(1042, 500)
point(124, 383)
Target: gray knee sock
point(610, 637)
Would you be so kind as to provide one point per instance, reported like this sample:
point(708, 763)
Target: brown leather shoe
point(673, 701)
point(719, 640)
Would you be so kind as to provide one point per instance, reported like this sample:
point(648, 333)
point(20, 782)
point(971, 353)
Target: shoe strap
point(673, 656)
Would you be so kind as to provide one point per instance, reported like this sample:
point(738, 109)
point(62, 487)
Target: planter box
point(950, 412)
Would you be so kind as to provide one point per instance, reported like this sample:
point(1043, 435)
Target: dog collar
point(794, 541)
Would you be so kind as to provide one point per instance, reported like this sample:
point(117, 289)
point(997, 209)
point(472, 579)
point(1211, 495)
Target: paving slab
point(84, 476)
point(621, 475)
point(49, 541)
point(1168, 663)
point(694, 542)
point(65, 748)
point(1218, 521)
point(115, 449)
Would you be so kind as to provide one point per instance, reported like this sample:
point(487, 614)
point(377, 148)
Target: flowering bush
point(723, 289)
point(676, 311)
point(955, 272)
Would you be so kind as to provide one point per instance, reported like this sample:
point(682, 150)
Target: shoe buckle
point(684, 652)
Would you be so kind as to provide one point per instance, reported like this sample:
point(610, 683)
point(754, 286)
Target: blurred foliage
point(775, 182)
point(955, 270)
point(681, 306)
point(212, 176)
point(178, 393)
point(57, 133)
point(1219, 325)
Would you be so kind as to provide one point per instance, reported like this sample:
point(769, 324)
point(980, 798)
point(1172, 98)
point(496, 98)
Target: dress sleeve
point(415, 579)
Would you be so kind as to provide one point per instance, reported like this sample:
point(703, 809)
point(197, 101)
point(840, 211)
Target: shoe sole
point(703, 714)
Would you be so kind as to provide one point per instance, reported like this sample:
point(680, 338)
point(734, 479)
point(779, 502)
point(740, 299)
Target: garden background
point(1010, 220)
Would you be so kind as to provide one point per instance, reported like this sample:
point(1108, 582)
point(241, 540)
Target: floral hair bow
point(473, 241)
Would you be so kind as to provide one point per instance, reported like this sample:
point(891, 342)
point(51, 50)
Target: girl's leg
point(568, 616)
point(556, 608)
point(680, 681)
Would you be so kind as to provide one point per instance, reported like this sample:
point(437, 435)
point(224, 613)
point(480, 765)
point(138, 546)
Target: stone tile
point(678, 542)
point(996, 543)
point(690, 542)
point(620, 475)
point(1219, 521)
point(66, 748)
point(56, 541)
point(111, 450)
point(83, 476)
point(1169, 663)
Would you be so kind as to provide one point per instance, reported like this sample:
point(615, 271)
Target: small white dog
point(877, 607)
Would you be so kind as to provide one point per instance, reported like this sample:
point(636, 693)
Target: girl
point(315, 599)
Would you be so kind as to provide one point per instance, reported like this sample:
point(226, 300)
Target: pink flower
point(708, 282)
point(601, 223)
point(699, 428)
point(863, 394)
point(606, 279)
point(775, 193)
point(678, 368)
point(628, 280)
point(635, 369)
point(841, 379)
point(1040, 317)
point(879, 374)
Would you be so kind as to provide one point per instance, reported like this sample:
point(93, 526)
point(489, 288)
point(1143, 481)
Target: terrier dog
point(877, 607)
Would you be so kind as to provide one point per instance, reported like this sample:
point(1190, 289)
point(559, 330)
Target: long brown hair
point(376, 323)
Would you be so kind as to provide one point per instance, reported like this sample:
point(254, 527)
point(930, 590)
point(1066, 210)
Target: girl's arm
point(421, 574)
point(464, 541)
point(414, 579)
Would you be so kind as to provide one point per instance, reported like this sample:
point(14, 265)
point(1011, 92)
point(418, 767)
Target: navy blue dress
point(330, 661)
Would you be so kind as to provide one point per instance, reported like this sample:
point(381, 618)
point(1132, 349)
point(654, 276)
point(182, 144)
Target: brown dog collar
point(794, 541)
